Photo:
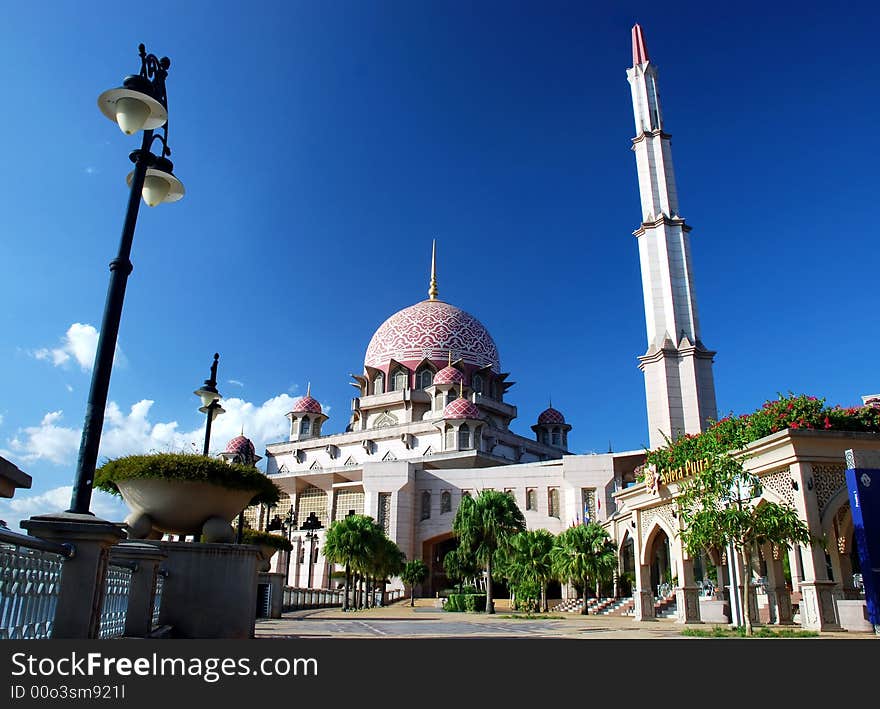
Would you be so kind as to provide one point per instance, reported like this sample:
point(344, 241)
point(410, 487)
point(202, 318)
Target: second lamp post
point(211, 401)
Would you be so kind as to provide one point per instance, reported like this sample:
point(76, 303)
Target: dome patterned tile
point(306, 405)
point(551, 415)
point(432, 329)
point(461, 409)
point(448, 375)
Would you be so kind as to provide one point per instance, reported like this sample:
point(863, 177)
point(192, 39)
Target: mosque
point(431, 423)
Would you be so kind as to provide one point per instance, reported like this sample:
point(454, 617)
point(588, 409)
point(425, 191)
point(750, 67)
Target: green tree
point(583, 554)
point(529, 564)
point(387, 562)
point(718, 509)
point(484, 526)
point(414, 572)
point(459, 566)
point(350, 541)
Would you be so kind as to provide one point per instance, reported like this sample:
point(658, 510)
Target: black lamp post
point(289, 524)
point(139, 104)
point(211, 401)
point(311, 524)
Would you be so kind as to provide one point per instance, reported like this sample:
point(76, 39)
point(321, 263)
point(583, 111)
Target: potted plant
point(268, 543)
point(179, 493)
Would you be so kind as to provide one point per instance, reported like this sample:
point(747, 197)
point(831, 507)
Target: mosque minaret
point(679, 384)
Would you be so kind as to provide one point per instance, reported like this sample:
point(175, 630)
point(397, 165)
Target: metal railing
point(30, 575)
point(161, 574)
point(115, 606)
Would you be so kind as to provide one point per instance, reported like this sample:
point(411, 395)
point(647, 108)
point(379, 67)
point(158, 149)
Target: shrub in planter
point(179, 493)
point(268, 543)
point(465, 603)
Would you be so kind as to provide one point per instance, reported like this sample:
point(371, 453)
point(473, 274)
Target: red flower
point(793, 425)
point(827, 422)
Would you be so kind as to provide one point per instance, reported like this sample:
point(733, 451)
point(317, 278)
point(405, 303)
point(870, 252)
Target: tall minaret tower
point(678, 368)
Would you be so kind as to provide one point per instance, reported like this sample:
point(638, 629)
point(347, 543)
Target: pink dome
point(241, 445)
point(306, 405)
point(461, 409)
point(551, 415)
point(432, 330)
point(448, 375)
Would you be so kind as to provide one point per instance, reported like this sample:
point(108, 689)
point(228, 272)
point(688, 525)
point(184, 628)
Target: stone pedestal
point(81, 594)
point(818, 605)
point(687, 604)
point(714, 611)
point(142, 592)
point(779, 602)
point(210, 590)
point(275, 583)
point(644, 606)
point(853, 616)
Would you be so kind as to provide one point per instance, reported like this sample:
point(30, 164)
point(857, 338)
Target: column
point(142, 592)
point(81, 593)
point(687, 593)
point(818, 605)
point(778, 596)
point(643, 595)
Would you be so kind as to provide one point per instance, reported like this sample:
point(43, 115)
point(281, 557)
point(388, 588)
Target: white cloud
point(20, 507)
point(69, 388)
point(126, 433)
point(235, 382)
point(79, 343)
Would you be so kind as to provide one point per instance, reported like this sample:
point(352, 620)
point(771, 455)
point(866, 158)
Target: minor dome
point(461, 409)
point(448, 375)
point(551, 416)
point(432, 330)
point(241, 445)
point(306, 405)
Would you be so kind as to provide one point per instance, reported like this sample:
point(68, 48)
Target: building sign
point(683, 471)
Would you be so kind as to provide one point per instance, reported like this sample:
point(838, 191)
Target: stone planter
point(266, 554)
point(184, 507)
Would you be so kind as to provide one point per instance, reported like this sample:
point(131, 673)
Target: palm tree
point(459, 566)
point(387, 562)
point(529, 560)
point(584, 553)
point(350, 541)
point(484, 526)
point(414, 572)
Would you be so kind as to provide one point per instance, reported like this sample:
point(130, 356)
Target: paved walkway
point(425, 620)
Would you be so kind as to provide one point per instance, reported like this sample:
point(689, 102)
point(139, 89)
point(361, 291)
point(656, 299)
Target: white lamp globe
point(131, 114)
point(155, 190)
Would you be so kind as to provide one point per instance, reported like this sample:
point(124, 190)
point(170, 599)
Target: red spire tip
point(640, 49)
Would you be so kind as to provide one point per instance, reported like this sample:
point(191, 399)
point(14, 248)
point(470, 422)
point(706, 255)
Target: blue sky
point(323, 145)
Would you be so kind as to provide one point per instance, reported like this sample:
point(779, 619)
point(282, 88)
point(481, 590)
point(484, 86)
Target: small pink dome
point(461, 409)
point(448, 375)
point(551, 415)
point(241, 445)
point(306, 405)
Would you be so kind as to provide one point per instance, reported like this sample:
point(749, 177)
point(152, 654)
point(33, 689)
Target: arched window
point(379, 384)
point(531, 499)
point(424, 378)
point(399, 381)
point(464, 437)
point(426, 505)
point(544, 439)
point(553, 502)
point(494, 389)
point(445, 502)
point(302, 554)
point(557, 439)
point(477, 383)
point(305, 426)
point(451, 396)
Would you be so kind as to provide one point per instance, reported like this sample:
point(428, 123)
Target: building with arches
point(430, 424)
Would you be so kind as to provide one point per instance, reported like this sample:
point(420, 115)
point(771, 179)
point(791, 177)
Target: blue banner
point(864, 498)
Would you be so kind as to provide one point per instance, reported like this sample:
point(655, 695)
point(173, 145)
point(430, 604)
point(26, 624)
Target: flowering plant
point(792, 411)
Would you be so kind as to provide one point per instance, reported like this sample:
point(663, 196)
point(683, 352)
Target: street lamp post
point(312, 524)
point(139, 104)
point(211, 402)
point(289, 525)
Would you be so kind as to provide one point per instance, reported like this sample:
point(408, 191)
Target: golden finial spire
point(461, 388)
point(432, 290)
point(450, 358)
point(309, 389)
